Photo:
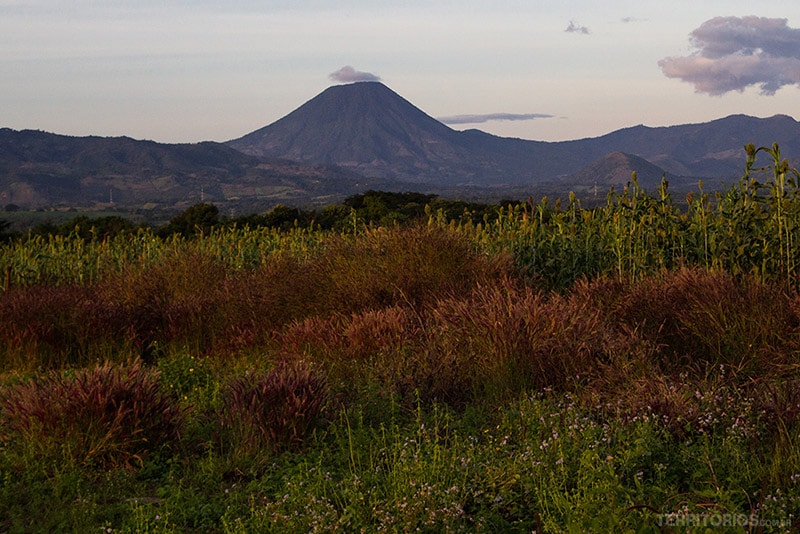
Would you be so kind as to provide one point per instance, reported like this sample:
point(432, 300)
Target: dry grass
point(108, 416)
point(696, 317)
point(271, 411)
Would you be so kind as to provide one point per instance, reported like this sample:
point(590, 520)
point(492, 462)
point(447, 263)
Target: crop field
point(633, 367)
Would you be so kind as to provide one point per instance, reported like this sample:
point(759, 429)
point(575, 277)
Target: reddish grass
point(412, 266)
point(697, 317)
point(109, 416)
point(503, 339)
point(175, 300)
point(44, 326)
point(497, 340)
point(415, 311)
point(194, 300)
point(271, 411)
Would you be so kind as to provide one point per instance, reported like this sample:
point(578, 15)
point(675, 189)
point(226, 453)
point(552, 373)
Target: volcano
point(370, 129)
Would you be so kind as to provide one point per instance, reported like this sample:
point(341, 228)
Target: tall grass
point(60, 259)
point(106, 417)
point(271, 411)
point(553, 369)
point(747, 228)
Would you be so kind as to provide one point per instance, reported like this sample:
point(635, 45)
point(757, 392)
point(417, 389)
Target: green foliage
point(746, 229)
point(383, 208)
point(186, 376)
point(197, 219)
point(282, 217)
point(412, 376)
point(88, 229)
point(4, 234)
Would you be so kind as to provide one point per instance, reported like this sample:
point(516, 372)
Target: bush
point(196, 219)
point(352, 341)
point(493, 342)
point(44, 326)
point(271, 411)
point(109, 417)
point(412, 266)
point(503, 339)
point(176, 300)
point(705, 319)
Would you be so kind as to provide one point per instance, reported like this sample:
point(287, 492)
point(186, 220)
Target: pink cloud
point(734, 53)
point(348, 74)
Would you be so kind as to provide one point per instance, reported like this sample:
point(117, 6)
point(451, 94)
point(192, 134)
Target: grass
point(109, 417)
point(441, 377)
point(543, 463)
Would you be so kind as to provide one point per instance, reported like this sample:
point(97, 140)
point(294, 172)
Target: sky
point(190, 71)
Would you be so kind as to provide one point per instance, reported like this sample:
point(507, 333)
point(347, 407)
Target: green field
point(627, 368)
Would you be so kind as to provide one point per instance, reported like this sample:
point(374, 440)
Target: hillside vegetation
point(627, 368)
point(363, 136)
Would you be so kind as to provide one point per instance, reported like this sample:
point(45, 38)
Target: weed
point(271, 411)
point(110, 416)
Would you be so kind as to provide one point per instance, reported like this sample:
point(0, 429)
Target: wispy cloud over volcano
point(734, 53)
point(487, 117)
point(348, 74)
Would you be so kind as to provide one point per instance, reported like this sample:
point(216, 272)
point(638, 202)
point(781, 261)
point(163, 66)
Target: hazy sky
point(187, 71)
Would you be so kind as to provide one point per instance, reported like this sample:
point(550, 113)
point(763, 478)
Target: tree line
point(378, 208)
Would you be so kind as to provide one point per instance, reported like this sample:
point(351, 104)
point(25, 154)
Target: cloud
point(574, 27)
point(628, 20)
point(348, 74)
point(479, 119)
point(734, 53)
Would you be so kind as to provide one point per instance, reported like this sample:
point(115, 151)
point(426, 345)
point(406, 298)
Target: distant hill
point(711, 149)
point(617, 168)
point(367, 127)
point(44, 169)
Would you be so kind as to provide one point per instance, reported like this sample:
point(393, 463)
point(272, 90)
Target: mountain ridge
point(361, 136)
point(350, 125)
point(616, 170)
point(45, 169)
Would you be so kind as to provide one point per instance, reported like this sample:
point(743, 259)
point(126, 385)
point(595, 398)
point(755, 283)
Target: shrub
point(412, 266)
point(503, 339)
point(260, 301)
point(497, 340)
point(51, 326)
point(109, 416)
point(179, 299)
point(350, 342)
point(271, 411)
point(705, 319)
